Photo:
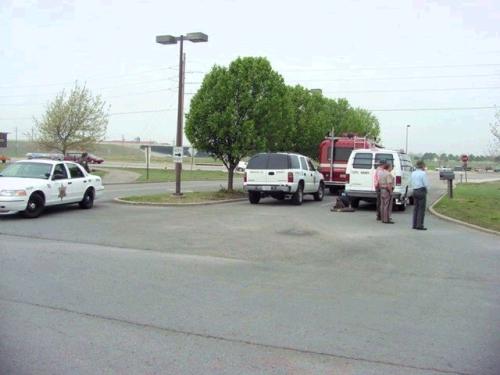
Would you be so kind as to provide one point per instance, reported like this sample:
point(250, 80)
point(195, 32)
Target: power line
point(431, 109)
point(413, 90)
point(111, 114)
point(90, 78)
point(396, 78)
point(388, 67)
point(144, 111)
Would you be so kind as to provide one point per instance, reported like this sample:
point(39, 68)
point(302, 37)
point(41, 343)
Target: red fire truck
point(334, 172)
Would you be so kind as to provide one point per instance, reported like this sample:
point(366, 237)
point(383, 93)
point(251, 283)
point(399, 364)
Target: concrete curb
point(208, 203)
point(456, 221)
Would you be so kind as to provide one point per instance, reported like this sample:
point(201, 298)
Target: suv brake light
point(290, 176)
point(398, 180)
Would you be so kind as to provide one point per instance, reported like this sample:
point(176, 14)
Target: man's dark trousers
point(378, 203)
point(419, 197)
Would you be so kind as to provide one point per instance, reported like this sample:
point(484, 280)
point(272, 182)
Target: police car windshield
point(28, 170)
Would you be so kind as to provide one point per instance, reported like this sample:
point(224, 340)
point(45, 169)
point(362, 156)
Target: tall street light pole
point(406, 149)
point(169, 39)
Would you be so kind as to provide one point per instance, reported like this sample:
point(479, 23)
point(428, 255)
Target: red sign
point(464, 158)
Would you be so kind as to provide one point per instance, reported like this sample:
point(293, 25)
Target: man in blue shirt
point(420, 185)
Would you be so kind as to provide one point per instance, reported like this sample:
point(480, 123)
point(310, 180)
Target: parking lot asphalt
point(240, 288)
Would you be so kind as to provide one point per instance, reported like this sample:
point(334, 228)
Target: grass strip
point(162, 175)
point(477, 204)
point(190, 197)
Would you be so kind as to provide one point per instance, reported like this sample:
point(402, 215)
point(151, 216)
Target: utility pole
point(17, 143)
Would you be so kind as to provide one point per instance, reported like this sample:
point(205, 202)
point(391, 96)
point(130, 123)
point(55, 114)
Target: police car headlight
point(12, 193)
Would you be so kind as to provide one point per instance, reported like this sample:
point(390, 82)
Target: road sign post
point(177, 154)
point(464, 159)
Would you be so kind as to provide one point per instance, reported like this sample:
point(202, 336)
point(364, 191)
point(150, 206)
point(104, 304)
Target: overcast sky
point(432, 64)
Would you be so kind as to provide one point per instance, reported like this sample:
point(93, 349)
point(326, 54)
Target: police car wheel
point(88, 200)
point(34, 207)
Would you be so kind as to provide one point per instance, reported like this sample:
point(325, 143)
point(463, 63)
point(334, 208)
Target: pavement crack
point(231, 340)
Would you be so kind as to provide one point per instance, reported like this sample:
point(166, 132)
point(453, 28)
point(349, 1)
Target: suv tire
point(254, 197)
point(298, 196)
point(318, 196)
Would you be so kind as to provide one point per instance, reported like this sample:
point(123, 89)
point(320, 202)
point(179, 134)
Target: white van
point(361, 168)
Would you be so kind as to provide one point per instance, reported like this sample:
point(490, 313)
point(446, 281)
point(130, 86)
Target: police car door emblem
point(62, 192)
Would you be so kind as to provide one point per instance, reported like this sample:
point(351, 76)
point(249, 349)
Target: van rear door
point(361, 172)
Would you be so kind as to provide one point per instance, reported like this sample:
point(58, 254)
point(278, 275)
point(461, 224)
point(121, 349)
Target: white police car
point(28, 186)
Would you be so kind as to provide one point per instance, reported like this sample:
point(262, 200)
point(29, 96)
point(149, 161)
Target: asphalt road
point(247, 289)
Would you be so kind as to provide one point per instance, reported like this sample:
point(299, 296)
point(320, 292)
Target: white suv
point(282, 175)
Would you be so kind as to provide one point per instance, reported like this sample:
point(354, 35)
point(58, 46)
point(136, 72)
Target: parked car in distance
point(443, 169)
point(77, 156)
point(282, 175)
point(242, 165)
point(28, 186)
point(361, 168)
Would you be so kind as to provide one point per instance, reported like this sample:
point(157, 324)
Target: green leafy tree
point(346, 119)
point(311, 120)
point(239, 110)
point(75, 121)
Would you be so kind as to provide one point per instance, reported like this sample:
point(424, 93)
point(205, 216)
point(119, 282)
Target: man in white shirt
point(420, 185)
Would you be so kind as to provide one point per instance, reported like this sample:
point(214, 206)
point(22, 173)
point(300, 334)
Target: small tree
point(76, 121)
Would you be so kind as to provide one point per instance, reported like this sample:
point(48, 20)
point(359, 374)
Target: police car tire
point(35, 206)
point(88, 200)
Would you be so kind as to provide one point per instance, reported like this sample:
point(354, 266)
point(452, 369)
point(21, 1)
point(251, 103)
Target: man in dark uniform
point(84, 161)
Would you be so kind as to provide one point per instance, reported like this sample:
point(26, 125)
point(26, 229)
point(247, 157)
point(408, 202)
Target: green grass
point(162, 175)
point(193, 197)
point(477, 204)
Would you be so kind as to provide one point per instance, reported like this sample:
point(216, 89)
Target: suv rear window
point(278, 161)
point(269, 161)
point(362, 160)
point(258, 162)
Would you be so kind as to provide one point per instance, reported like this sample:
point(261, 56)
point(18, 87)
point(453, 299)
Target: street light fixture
point(406, 149)
point(169, 39)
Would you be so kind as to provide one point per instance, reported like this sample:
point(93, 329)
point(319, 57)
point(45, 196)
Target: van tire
point(254, 197)
point(354, 202)
point(298, 196)
point(401, 207)
point(318, 196)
